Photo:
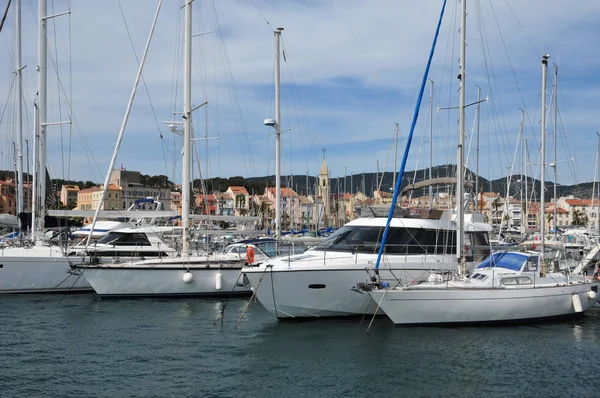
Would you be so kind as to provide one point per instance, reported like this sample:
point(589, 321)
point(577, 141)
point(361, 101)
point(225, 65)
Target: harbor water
point(81, 346)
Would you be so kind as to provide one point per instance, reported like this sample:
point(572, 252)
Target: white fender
point(188, 277)
point(592, 295)
point(218, 281)
point(576, 303)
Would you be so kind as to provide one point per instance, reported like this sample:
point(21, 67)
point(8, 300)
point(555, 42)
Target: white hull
point(38, 269)
point(445, 306)
point(146, 279)
point(309, 289)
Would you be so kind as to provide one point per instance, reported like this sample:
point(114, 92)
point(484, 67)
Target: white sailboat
point(507, 287)
point(183, 275)
point(38, 267)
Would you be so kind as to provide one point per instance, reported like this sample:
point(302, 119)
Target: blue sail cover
point(512, 261)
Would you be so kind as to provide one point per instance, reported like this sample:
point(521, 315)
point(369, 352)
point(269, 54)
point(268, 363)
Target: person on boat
point(249, 254)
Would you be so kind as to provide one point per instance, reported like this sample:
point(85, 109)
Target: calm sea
point(86, 347)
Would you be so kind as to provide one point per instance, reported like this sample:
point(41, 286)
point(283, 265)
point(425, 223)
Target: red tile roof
point(285, 192)
point(238, 190)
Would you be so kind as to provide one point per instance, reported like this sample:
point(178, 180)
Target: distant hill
point(368, 182)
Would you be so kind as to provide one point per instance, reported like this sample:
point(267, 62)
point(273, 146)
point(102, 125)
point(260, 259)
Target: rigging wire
point(144, 83)
point(300, 114)
point(261, 14)
point(58, 97)
point(243, 133)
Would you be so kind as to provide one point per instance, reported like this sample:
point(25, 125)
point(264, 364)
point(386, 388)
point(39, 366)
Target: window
point(399, 240)
point(518, 280)
point(125, 239)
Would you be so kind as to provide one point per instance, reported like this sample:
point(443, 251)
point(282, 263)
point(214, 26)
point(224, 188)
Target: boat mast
point(345, 192)
point(277, 34)
point(555, 132)
point(461, 138)
point(477, 144)
point(598, 159)
point(526, 181)
point(187, 129)
point(431, 144)
point(18, 70)
point(543, 161)
point(523, 166)
point(395, 153)
point(41, 110)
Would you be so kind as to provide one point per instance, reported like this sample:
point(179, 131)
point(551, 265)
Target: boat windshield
point(511, 261)
point(366, 239)
point(124, 239)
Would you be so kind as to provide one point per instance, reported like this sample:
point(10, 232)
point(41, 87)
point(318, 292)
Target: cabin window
point(125, 239)
point(531, 264)
point(479, 276)
point(518, 280)
point(399, 240)
point(480, 245)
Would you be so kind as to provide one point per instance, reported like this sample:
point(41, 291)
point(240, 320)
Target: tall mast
point(41, 109)
point(345, 192)
point(307, 204)
point(526, 184)
point(523, 223)
point(395, 153)
point(277, 33)
point(431, 144)
point(555, 133)
point(18, 69)
point(461, 138)
point(543, 156)
point(598, 157)
point(187, 129)
point(477, 143)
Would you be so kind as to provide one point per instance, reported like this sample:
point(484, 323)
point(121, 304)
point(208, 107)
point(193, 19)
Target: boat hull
point(316, 293)
point(452, 306)
point(39, 269)
point(127, 281)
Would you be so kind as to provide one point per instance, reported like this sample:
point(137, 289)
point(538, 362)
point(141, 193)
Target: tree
point(579, 218)
point(496, 204)
point(240, 200)
point(285, 220)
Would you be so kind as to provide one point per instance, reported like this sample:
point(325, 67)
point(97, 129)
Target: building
point(224, 204)
point(382, 197)
point(68, 195)
point(8, 197)
point(210, 208)
point(291, 210)
point(322, 208)
point(89, 198)
point(241, 200)
point(132, 189)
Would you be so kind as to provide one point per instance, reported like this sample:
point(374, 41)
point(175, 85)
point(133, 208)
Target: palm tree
point(579, 218)
point(240, 199)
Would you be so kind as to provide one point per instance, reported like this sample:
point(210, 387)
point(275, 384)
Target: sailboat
point(184, 275)
point(506, 287)
point(38, 267)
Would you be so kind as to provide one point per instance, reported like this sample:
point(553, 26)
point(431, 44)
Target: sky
point(352, 70)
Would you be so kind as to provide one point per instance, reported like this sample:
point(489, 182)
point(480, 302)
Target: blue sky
point(353, 69)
